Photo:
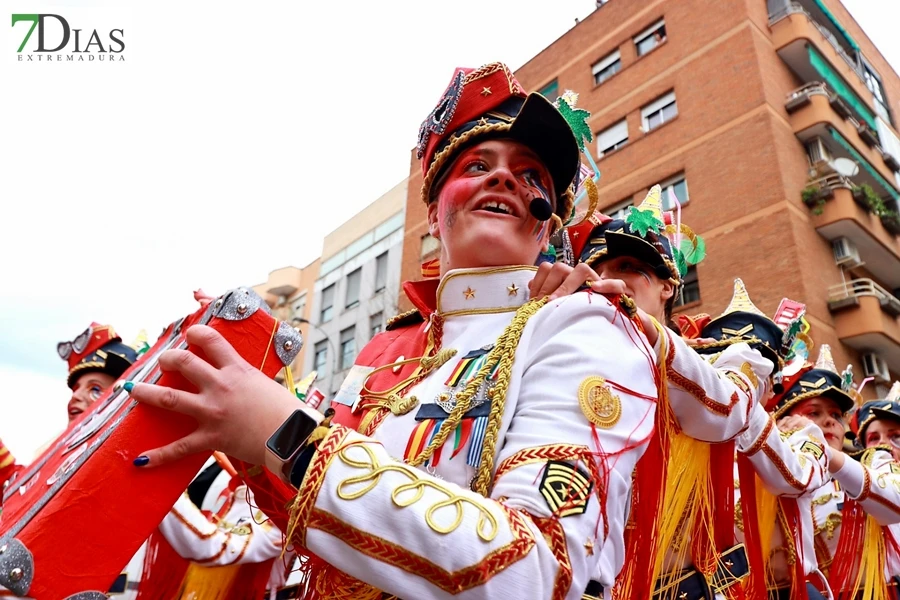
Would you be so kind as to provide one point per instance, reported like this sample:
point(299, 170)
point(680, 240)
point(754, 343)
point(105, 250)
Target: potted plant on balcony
point(891, 162)
point(891, 222)
point(867, 134)
point(814, 196)
point(866, 196)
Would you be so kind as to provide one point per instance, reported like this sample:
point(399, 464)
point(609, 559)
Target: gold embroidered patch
point(598, 403)
point(747, 370)
point(565, 488)
point(895, 468)
point(813, 449)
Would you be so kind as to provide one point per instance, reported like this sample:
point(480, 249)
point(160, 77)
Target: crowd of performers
point(545, 432)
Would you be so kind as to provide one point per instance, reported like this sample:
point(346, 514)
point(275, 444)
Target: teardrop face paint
point(482, 214)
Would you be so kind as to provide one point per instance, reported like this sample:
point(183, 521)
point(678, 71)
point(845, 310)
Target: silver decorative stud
point(218, 304)
point(16, 574)
point(288, 345)
point(242, 308)
point(3, 548)
point(117, 386)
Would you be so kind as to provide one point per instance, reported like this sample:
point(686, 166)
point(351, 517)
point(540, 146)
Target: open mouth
point(497, 207)
point(74, 412)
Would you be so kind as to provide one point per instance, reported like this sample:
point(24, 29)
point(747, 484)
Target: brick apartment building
point(745, 109)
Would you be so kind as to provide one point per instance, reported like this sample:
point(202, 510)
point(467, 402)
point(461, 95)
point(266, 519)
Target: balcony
point(865, 317)
point(816, 111)
point(814, 53)
point(284, 282)
point(839, 213)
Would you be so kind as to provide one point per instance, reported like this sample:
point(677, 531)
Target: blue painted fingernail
point(128, 386)
point(141, 461)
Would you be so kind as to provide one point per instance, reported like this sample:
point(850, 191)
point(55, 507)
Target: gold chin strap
point(557, 223)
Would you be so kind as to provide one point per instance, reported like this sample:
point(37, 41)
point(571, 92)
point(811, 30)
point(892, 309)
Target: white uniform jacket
point(712, 402)
point(579, 413)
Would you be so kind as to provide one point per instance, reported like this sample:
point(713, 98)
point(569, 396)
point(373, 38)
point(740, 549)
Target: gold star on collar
point(589, 547)
point(486, 91)
point(469, 293)
point(513, 290)
point(483, 121)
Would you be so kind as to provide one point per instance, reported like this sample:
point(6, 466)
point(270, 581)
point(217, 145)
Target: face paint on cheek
point(539, 228)
point(453, 196)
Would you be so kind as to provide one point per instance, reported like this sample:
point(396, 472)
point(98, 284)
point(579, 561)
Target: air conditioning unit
point(820, 157)
point(845, 253)
point(874, 366)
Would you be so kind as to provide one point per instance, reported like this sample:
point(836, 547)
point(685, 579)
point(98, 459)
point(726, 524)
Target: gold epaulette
point(409, 317)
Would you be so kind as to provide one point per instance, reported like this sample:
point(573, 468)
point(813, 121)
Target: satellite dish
point(846, 167)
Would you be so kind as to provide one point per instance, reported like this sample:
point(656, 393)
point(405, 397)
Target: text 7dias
point(113, 44)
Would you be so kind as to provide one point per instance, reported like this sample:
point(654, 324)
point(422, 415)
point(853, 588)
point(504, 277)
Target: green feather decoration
point(642, 221)
point(680, 262)
point(577, 120)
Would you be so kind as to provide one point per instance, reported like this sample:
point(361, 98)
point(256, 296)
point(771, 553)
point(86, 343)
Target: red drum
point(74, 518)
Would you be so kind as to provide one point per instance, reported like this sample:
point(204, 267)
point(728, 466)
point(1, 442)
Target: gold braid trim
point(312, 483)
point(785, 472)
point(696, 390)
point(452, 582)
point(503, 354)
point(390, 322)
point(545, 453)
point(555, 536)
point(193, 528)
point(509, 343)
point(761, 440)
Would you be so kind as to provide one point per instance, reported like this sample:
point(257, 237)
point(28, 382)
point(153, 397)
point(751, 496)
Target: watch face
point(292, 434)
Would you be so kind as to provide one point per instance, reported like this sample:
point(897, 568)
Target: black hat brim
point(540, 126)
point(619, 243)
point(882, 413)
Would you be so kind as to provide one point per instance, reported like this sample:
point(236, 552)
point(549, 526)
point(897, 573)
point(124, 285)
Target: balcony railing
point(848, 294)
point(793, 9)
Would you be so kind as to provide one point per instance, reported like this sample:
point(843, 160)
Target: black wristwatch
point(290, 439)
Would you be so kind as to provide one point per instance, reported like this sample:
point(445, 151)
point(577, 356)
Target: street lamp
point(301, 321)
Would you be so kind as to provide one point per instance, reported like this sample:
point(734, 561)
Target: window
point(429, 244)
point(690, 290)
point(612, 138)
point(381, 271)
point(376, 324)
point(299, 307)
point(606, 67)
point(348, 348)
point(550, 91)
point(327, 304)
point(650, 38)
point(618, 212)
point(353, 279)
point(873, 82)
point(662, 110)
point(321, 357)
point(676, 185)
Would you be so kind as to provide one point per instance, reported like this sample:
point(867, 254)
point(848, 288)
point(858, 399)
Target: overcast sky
point(228, 145)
